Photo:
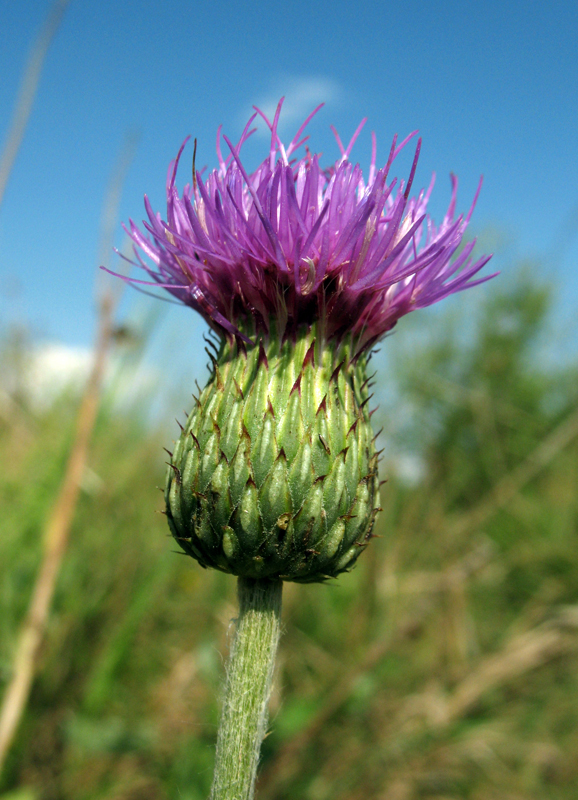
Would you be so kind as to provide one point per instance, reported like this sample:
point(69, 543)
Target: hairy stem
point(247, 689)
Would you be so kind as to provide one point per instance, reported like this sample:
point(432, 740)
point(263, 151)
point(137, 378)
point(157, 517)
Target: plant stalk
point(247, 688)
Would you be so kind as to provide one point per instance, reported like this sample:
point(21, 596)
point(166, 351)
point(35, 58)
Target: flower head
point(294, 243)
point(299, 270)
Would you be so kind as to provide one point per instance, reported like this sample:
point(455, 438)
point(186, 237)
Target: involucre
point(275, 473)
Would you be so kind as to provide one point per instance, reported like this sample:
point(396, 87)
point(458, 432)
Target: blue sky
point(492, 87)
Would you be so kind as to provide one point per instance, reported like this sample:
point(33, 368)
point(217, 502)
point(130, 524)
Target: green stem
point(247, 689)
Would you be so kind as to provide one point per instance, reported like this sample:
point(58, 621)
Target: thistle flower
point(299, 270)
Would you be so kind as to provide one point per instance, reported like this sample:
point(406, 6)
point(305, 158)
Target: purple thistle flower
point(293, 243)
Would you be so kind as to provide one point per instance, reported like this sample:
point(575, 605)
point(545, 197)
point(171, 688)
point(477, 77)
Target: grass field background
point(443, 666)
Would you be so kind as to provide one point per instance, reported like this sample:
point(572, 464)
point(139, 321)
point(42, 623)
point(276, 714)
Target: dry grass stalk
point(55, 542)
point(27, 92)
point(57, 531)
point(522, 653)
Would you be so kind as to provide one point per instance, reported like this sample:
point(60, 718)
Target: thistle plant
point(298, 270)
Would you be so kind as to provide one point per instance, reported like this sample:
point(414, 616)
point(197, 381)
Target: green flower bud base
point(275, 473)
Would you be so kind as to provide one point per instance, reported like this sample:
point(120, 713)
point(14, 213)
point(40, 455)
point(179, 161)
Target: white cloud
point(302, 95)
point(52, 369)
point(409, 468)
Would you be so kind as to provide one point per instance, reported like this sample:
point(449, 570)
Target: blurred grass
point(444, 666)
